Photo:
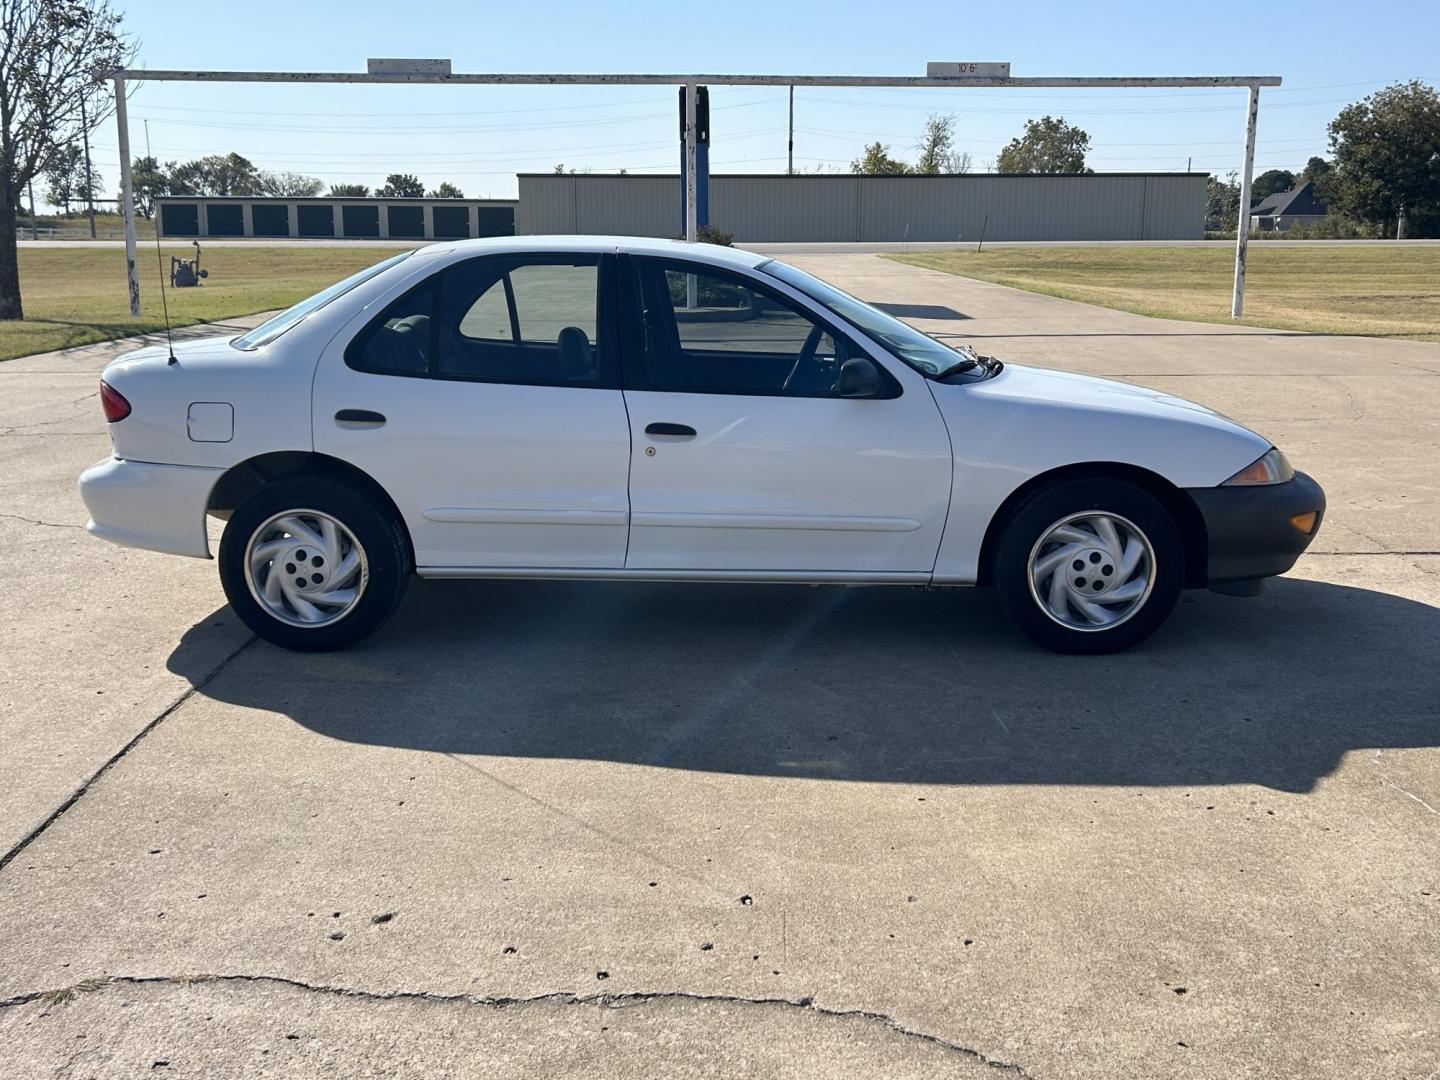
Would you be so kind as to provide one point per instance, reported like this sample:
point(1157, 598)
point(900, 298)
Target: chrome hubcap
point(305, 568)
point(1091, 571)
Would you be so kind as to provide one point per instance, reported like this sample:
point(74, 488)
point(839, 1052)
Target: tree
point(447, 190)
point(937, 149)
point(1271, 182)
point(1387, 156)
point(216, 174)
point(65, 178)
point(1049, 145)
point(1222, 203)
point(148, 178)
point(290, 184)
point(401, 186)
point(348, 191)
point(936, 145)
point(1315, 169)
point(54, 56)
point(876, 161)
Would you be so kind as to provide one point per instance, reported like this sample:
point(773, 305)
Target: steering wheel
point(807, 355)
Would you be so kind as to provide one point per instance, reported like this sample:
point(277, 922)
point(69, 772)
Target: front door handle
point(684, 431)
point(359, 416)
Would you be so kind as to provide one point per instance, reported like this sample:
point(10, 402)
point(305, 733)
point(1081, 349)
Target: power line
point(1111, 95)
point(413, 129)
point(842, 132)
point(349, 113)
point(323, 157)
point(1089, 112)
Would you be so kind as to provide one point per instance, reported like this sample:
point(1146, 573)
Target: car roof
point(637, 245)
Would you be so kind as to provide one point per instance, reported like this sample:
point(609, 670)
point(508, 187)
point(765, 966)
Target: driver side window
point(706, 331)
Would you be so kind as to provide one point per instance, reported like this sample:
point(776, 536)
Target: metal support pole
point(34, 214)
point(127, 194)
point(691, 201)
point(790, 154)
point(1242, 228)
point(89, 178)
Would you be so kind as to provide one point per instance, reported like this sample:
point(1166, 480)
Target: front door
point(486, 401)
point(746, 458)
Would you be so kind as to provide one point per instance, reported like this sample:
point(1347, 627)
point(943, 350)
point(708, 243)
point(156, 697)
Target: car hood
point(1034, 420)
point(1036, 385)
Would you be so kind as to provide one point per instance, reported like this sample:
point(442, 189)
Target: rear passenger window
point(534, 320)
point(400, 341)
point(489, 317)
point(525, 322)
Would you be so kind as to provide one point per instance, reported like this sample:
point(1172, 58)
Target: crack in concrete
point(11, 433)
point(48, 423)
point(37, 521)
point(1387, 782)
point(75, 796)
point(623, 1000)
point(1312, 554)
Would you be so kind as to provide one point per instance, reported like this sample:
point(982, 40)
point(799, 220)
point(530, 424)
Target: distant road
point(768, 249)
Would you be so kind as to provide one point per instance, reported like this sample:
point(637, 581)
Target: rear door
point(486, 401)
point(746, 458)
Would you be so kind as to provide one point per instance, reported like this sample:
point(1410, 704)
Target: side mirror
point(859, 378)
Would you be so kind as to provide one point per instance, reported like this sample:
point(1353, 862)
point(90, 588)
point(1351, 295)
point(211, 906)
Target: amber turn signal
point(1304, 522)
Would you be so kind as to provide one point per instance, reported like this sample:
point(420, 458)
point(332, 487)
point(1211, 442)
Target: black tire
point(1046, 507)
point(383, 579)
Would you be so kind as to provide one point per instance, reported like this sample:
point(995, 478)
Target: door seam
point(629, 473)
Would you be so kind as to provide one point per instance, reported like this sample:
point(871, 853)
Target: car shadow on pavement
point(883, 685)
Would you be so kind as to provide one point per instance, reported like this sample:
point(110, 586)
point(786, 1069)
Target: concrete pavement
point(562, 829)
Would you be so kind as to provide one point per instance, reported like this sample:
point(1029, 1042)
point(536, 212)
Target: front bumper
point(144, 505)
point(1249, 529)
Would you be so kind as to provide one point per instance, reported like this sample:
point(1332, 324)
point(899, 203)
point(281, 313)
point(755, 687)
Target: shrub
point(709, 234)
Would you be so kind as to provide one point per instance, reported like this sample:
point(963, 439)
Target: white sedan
point(590, 407)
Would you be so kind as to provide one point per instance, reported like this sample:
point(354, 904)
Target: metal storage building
point(777, 208)
point(344, 218)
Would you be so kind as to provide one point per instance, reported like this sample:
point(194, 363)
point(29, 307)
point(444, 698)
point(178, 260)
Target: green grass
point(75, 296)
point(1371, 291)
point(76, 226)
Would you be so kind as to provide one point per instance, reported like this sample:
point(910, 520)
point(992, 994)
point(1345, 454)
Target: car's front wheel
point(310, 563)
point(1089, 566)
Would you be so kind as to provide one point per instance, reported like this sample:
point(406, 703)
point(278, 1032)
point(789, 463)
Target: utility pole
point(1187, 164)
point(89, 183)
point(691, 222)
point(127, 194)
point(790, 162)
point(1242, 228)
point(34, 224)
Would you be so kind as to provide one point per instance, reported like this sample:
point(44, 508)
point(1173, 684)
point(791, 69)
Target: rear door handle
point(684, 431)
point(359, 416)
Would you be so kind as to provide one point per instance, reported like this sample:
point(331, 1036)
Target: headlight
point(1270, 469)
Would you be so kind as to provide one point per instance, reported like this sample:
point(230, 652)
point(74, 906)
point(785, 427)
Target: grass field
point(76, 296)
point(1373, 291)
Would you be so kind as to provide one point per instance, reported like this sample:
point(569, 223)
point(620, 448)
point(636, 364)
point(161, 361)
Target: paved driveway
point(632, 830)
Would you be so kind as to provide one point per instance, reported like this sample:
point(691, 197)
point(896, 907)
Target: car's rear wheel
point(1089, 566)
point(311, 563)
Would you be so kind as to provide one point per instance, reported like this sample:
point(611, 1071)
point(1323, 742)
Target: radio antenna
point(160, 267)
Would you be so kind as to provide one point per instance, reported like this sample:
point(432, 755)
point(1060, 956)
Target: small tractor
point(185, 273)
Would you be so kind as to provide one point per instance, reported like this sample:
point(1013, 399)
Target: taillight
point(113, 402)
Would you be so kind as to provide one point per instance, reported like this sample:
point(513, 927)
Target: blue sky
point(479, 137)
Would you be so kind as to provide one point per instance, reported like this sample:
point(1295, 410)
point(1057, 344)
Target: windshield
point(919, 350)
point(273, 327)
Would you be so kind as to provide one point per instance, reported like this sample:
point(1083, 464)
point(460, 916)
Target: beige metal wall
point(778, 209)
